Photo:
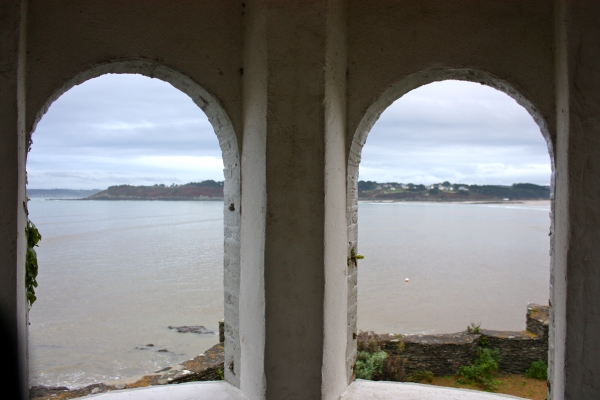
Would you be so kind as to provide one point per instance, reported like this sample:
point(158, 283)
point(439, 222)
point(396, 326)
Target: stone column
point(13, 306)
point(293, 279)
point(575, 369)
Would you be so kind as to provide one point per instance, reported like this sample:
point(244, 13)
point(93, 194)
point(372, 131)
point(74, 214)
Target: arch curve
point(208, 103)
point(422, 78)
point(359, 138)
point(228, 142)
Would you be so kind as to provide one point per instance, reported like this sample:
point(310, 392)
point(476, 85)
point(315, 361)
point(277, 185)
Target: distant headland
point(205, 190)
point(367, 191)
point(446, 191)
point(61, 193)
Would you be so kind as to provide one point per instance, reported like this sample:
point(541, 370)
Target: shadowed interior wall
point(291, 76)
point(13, 243)
point(511, 41)
point(200, 39)
point(195, 46)
point(575, 280)
point(294, 234)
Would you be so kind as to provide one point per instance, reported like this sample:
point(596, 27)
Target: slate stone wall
point(517, 349)
point(445, 354)
point(440, 354)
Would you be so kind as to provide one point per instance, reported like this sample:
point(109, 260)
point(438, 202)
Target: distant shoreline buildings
point(446, 191)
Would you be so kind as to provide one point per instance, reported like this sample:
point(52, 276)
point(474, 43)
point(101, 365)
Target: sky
point(456, 131)
point(131, 129)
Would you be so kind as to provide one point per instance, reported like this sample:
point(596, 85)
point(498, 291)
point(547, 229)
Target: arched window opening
point(120, 271)
point(453, 213)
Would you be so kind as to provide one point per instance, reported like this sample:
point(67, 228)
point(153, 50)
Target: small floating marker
point(406, 280)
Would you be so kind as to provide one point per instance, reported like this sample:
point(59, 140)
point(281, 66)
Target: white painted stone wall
point(232, 201)
point(292, 89)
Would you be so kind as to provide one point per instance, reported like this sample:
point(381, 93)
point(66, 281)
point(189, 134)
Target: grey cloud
point(130, 113)
point(132, 129)
point(105, 130)
point(456, 131)
point(95, 179)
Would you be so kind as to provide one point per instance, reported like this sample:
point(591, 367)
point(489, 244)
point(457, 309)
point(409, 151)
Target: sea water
point(114, 275)
point(466, 263)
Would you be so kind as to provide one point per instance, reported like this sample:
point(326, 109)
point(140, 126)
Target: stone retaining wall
point(444, 354)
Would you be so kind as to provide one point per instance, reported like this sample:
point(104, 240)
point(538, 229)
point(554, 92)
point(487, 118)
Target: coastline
point(440, 354)
point(524, 202)
point(207, 366)
point(137, 199)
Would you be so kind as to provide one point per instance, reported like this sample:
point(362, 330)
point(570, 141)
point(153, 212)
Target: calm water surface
point(466, 263)
point(114, 275)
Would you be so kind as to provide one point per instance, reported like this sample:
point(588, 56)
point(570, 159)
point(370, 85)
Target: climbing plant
point(31, 265)
point(353, 259)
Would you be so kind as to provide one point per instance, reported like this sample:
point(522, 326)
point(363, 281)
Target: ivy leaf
point(33, 237)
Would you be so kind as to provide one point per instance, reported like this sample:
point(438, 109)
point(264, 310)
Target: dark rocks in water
point(163, 351)
point(62, 392)
point(149, 345)
point(199, 329)
point(46, 391)
point(140, 348)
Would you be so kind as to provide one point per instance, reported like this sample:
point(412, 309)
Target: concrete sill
point(360, 389)
point(184, 391)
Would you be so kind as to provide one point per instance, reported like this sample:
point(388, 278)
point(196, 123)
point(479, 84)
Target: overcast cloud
point(130, 129)
point(455, 131)
point(123, 129)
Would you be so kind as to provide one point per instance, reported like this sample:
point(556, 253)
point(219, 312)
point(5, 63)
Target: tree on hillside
point(366, 185)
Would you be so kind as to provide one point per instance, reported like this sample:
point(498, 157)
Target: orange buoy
point(406, 280)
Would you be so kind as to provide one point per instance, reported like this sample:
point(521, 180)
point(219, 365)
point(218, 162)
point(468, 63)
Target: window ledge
point(183, 391)
point(361, 389)
point(358, 390)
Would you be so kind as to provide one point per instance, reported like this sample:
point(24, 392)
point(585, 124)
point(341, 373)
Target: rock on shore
point(205, 367)
point(199, 329)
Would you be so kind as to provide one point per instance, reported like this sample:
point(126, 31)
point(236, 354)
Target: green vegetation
point(421, 376)
point(373, 363)
point(369, 365)
point(221, 375)
point(538, 370)
point(474, 328)
point(482, 371)
point(33, 237)
point(204, 190)
point(447, 191)
point(393, 369)
point(484, 341)
point(367, 185)
point(517, 191)
point(353, 259)
point(207, 183)
point(379, 366)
